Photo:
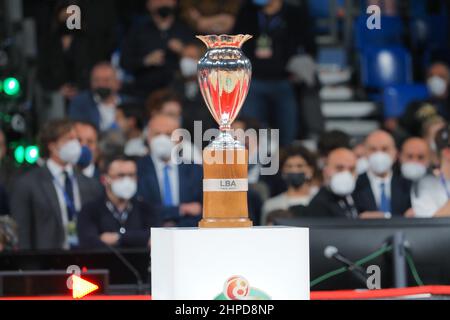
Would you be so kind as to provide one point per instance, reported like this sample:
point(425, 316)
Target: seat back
point(397, 98)
point(385, 66)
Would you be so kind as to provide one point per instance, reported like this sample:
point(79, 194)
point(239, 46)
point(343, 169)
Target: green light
point(31, 154)
point(11, 86)
point(19, 154)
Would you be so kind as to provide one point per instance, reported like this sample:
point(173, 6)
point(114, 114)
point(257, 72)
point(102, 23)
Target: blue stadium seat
point(396, 98)
point(385, 66)
point(335, 56)
point(391, 32)
point(319, 8)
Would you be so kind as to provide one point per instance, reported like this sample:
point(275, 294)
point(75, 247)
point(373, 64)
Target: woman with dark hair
point(299, 169)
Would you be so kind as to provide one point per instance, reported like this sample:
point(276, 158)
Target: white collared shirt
point(431, 196)
point(375, 185)
point(89, 171)
point(58, 181)
point(107, 113)
point(173, 176)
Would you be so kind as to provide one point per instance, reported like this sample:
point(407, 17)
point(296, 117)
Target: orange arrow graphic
point(81, 287)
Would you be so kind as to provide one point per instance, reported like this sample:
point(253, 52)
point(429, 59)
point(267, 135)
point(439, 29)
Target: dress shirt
point(431, 195)
point(58, 181)
point(173, 176)
point(375, 185)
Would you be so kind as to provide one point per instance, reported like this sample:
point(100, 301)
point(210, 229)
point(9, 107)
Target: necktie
point(167, 201)
point(68, 196)
point(385, 203)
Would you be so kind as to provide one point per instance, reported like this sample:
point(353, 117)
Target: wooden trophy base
point(225, 188)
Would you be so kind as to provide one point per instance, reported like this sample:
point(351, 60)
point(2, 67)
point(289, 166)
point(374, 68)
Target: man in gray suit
point(46, 200)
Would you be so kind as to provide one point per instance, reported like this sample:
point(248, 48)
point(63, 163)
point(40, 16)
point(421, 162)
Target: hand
point(175, 45)
point(444, 211)
point(194, 14)
point(372, 215)
point(409, 213)
point(68, 91)
point(154, 58)
point(220, 23)
point(110, 238)
point(190, 209)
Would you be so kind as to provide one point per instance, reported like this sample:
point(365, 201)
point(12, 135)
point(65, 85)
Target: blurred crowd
point(105, 174)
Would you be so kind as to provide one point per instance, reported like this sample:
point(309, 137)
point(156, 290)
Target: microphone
point(332, 252)
point(129, 266)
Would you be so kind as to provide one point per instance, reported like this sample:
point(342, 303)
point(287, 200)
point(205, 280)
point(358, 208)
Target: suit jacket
point(326, 204)
point(84, 108)
point(400, 194)
point(95, 219)
point(190, 189)
point(35, 208)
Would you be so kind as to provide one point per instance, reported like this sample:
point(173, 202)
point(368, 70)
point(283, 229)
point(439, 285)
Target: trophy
point(224, 74)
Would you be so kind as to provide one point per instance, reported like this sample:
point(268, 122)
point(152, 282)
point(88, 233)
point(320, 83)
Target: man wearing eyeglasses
point(118, 218)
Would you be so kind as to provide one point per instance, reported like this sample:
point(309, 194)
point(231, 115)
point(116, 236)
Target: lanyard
point(348, 205)
point(444, 184)
point(121, 217)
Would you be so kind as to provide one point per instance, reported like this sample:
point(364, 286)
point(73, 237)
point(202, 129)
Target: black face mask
point(165, 11)
point(295, 180)
point(103, 92)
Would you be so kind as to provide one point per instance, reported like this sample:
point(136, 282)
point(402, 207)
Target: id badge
point(72, 236)
point(263, 47)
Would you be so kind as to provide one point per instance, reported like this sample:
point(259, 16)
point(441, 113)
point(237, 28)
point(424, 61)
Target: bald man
point(176, 189)
point(98, 104)
point(415, 158)
point(382, 192)
point(335, 199)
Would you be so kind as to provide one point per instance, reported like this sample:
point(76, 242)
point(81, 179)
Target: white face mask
point(437, 86)
point(362, 165)
point(342, 183)
point(380, 162)
point(124, 188)
point(70, 152)
point(188, 67)
point(161, 147)
point(413, 170)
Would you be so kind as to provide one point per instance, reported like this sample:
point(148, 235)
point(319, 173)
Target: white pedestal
point(192, 263)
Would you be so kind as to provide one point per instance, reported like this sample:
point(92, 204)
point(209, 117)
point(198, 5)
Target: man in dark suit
point(152, 49)
point(382, 192)
point(46, 200)
point(98, 105)
point(88, 136)
point(117, 218)
point(175, 188)
point(335, 199)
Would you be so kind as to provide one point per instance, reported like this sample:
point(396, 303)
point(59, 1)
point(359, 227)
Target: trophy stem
point(225, 140)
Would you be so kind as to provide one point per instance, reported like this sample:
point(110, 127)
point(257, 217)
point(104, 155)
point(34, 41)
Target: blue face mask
point(261, 3)
point(85, 157)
